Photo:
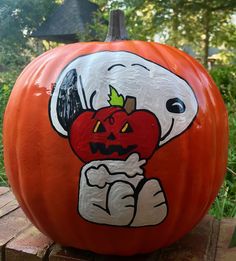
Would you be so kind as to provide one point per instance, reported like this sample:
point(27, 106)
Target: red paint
point(111, 121)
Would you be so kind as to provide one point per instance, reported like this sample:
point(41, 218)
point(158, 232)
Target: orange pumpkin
point(133, 196)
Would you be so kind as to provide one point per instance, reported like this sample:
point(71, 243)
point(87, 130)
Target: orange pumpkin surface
point(44, 166)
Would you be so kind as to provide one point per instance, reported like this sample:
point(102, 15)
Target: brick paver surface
point(21, 241)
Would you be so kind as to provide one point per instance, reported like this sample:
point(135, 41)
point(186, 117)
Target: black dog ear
point(65, 104)
point(68, 103)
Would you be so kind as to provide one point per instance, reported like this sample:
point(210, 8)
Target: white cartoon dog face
point(156, 89)
point(117, 108)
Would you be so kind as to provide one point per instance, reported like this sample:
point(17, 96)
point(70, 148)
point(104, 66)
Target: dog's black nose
point(111, 136)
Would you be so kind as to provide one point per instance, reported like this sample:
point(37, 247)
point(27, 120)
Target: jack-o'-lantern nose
point(111, 136)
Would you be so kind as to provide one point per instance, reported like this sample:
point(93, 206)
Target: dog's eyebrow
point(140, 65)
point(114, 65)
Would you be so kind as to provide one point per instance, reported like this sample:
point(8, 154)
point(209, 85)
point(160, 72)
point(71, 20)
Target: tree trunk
point(207, 19)
point(175, 25)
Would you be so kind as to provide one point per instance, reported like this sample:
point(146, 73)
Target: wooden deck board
point(8, 203)
point(3, 190)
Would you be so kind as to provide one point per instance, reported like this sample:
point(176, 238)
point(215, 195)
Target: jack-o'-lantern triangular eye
point(126, 128)
point(98, 128)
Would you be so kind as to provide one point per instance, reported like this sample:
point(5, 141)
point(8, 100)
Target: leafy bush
point(225, 79)
point(225, 203)
point(4, 94)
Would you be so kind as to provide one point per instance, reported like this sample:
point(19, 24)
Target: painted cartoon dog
point(116, 109)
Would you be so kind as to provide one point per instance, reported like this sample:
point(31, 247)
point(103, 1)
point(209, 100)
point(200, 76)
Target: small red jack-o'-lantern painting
point(115, 132)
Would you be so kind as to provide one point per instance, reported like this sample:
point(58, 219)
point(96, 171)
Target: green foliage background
point(225, 203)
point(199, 24)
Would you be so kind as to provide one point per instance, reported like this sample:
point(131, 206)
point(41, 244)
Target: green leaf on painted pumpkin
point(116, 99)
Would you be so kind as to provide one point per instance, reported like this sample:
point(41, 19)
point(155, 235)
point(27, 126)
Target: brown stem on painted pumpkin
point(116, 27)
point(130, 104)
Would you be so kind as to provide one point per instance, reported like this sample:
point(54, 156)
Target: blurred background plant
point(225, 203)
point(205, 29)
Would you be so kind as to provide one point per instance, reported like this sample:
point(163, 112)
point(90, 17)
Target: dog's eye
point(98, 128)
point(126, 128)
point(175, 105)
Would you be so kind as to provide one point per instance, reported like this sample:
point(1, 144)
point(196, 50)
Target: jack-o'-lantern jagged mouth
point(108, 150)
